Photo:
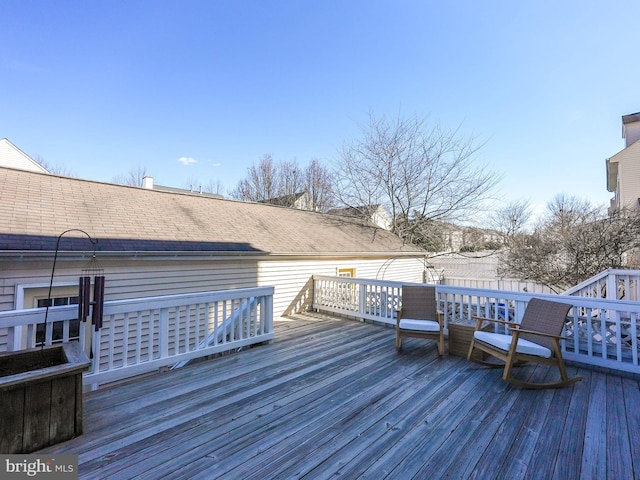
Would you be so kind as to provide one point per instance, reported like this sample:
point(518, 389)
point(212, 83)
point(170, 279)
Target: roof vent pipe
point(147, 182)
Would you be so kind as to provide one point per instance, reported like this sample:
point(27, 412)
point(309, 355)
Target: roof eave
point(195, 255)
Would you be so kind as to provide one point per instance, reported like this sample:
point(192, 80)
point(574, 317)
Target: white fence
point(600, 331)
point(144, 334)
point(496, 284)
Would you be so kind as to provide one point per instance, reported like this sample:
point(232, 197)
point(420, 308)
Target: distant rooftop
point(632, 117)
point(12, 157)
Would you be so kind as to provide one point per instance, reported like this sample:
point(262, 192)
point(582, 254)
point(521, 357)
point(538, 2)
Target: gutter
point(164, 255)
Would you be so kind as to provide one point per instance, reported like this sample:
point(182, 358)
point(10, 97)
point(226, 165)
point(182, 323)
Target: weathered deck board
point(331, 398)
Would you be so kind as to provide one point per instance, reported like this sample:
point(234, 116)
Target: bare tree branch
point(132, 178)
point(572, 242)
point(510, 220)
point(270, 179)
point(417, 171)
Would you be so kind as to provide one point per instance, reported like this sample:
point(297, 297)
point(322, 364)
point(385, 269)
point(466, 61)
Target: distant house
point(374, 214)
point(153, 243)
point(623, 169)
point(12, 157)
point(301, 201)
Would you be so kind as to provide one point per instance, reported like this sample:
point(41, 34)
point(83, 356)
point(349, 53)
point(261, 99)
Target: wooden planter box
point(460, 335)
point(40, 397)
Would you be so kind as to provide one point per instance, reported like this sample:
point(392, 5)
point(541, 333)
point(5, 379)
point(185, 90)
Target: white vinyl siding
point(146, 277)
point(12, 157)
point(629, 176)
point(626, 166)
point(291, 278)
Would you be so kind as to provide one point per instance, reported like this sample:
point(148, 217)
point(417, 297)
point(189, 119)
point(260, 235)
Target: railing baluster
point(111, 351)
point(125, 333)
point(138, 347)
point(603, 334)
point(163, 340)
point(634, 333)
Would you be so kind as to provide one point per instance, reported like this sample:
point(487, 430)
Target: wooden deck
point(332, 398)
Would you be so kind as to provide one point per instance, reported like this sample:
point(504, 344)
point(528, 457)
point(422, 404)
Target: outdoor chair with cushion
point(535, 339)
point(419, 316)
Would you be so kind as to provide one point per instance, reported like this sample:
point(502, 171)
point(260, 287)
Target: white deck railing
point(144, 334)
point(612, 284)
point(601, 332)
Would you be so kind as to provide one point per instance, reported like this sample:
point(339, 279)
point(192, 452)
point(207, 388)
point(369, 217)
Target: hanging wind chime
point(84, 286)
point(94, 270)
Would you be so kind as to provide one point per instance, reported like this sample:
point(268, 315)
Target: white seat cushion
point(419, 325)
point(503, 342)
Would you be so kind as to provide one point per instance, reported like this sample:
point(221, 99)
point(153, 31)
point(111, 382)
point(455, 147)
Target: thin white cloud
point(17, 66)
point(187, 160)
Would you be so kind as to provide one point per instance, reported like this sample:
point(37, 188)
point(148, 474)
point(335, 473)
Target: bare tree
point(319, 185)
point(269, 179)
point(197, 185)
point(260, 183)
point(289, 178)
point(510, 220)
point(572, 242)
point(57, 169)
point(417, 171)
point(213, 186)
point(132, 178)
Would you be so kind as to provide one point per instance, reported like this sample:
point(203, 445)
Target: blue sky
point(101, 87)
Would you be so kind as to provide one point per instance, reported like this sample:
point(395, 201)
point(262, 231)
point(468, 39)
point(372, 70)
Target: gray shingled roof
point(36, 208)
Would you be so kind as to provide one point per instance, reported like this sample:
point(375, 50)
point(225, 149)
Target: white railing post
point(612, 286)
point(268, 314)
point(362, 299)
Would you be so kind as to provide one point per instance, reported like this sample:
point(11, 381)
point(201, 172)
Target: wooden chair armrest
point(495, 320)
point(541, 334)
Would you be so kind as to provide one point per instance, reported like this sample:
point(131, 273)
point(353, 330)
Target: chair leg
point(506, 373)
point(560, 361)
point(398, 342)
point(441, 345)
point(511, 357)
point(471, 345)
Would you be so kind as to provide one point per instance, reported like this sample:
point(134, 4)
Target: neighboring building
point(478, 270)
point(374, 214)
point(623, 169)
point(149, 184)
point(300, 201)
point(155, 243)
point(12, 157)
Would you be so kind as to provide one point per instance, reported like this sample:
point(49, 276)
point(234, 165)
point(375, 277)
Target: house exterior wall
point(631, 131)
point(292, 279)
point(12, 157)
point(629, 177)
point(128, 278)
point(22, 280)
point(146, 277)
